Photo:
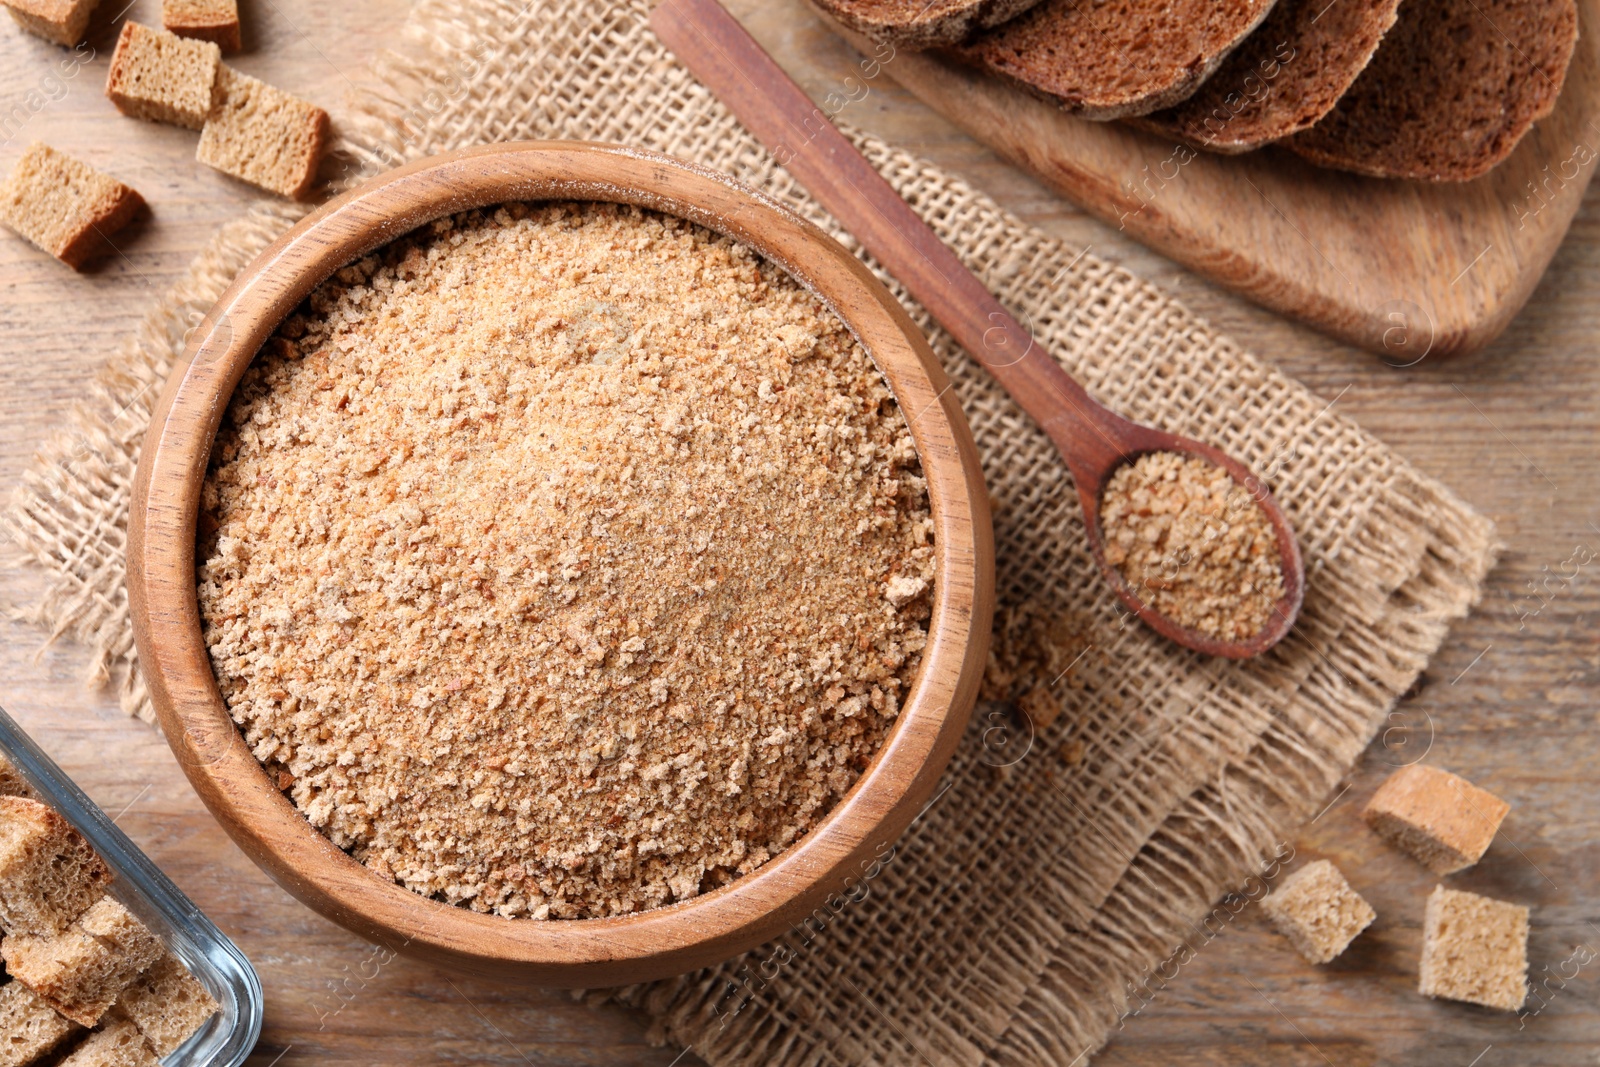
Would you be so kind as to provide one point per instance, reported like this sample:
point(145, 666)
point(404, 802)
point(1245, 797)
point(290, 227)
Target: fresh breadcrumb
point(1192, 544)
point(564, 561)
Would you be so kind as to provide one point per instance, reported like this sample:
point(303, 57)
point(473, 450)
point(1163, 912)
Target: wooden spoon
point(1093, 440)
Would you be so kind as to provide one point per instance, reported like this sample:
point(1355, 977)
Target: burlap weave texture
point(1009, 924)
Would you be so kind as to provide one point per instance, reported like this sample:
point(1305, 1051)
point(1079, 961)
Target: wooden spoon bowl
point(572, 953)
point(1117, 441)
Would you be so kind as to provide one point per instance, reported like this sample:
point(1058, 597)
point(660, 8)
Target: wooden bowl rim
point(237, 790)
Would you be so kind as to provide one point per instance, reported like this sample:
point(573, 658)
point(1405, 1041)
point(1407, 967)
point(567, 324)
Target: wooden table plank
point(1510, 702)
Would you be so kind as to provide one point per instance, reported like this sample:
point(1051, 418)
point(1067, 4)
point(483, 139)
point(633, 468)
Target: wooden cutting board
point(1410, 270)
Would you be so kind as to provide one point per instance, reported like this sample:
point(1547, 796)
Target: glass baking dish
point(227, 1038)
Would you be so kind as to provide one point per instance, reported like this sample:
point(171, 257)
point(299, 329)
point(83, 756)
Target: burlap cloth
point(1018, 915)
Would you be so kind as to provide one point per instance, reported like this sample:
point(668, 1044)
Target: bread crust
point(225, 35)
point(1389, 124)
point(1285, 77)
point(917, 25)
point(95, 236)
point(217, 22)
point(319, 142)
point(62, 21)
point(1067, 52)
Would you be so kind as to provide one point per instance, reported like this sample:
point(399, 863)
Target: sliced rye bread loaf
point(1452, 89)
point(922, 23)
point(1282, 79)
point(1108, 59)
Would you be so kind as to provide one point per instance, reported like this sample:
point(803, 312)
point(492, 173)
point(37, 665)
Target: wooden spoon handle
point(718, 50)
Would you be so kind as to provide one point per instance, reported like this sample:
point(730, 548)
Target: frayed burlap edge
point(69, 513)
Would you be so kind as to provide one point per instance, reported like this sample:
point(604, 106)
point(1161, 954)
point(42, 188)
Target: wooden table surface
point(1511, 701)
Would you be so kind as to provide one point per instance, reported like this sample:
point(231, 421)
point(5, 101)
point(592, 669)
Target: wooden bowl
point(583, 952)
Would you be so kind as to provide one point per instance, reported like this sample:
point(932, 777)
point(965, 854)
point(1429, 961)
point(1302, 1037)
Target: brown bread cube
point(12, 784)
point(61, 21)
point(216, 21)
point(65, 207)
point(29, 1028)
point(48, 873)
point(162, 77)
point(1441, 819)
point(81, 972)
point(1318, 912)
point(263, 135)
point(117, 1044)
point(115, 926)
point(1474, 949)
point(167, 1003)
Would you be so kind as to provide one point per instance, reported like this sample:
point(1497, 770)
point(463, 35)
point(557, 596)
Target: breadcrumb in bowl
point(777, 862)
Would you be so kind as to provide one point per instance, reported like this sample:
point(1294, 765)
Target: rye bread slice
point(922, 23)
point(1108, 59)
point(1283, 78)
point(1452, 89)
